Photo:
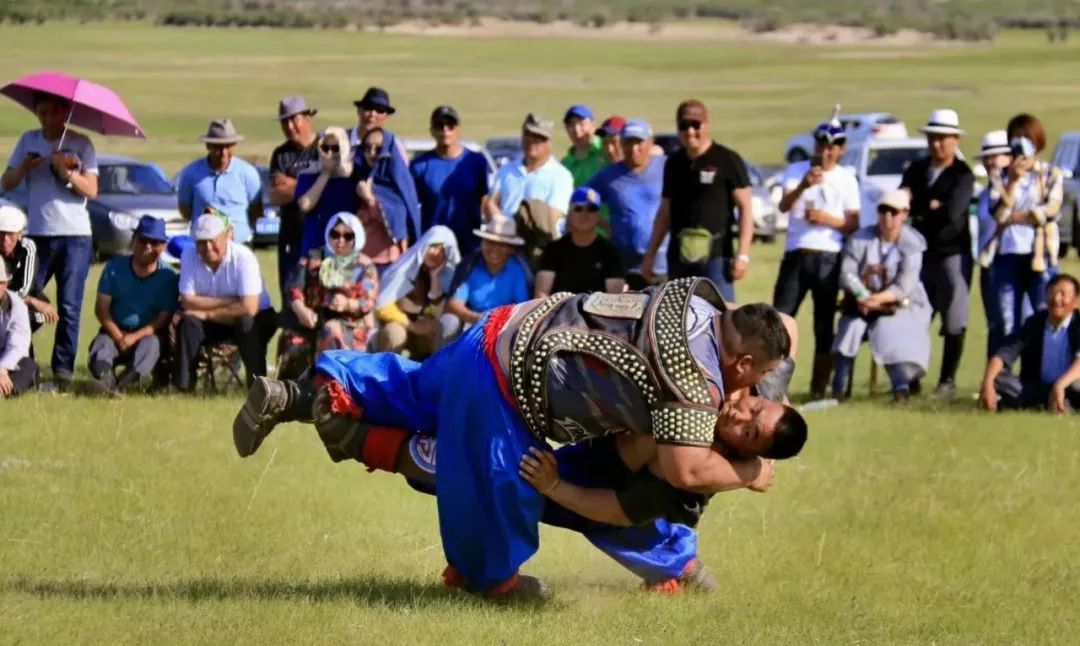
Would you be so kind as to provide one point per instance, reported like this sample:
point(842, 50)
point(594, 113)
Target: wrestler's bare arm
point(540, 469)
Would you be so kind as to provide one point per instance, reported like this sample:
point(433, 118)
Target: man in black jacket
point(941, 187)
point(1048, 347)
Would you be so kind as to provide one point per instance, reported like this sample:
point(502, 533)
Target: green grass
point(176, 80)
point(133, 521)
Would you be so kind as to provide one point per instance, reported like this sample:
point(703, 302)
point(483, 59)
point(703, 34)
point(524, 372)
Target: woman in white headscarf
point(333, 295)
point(416, 288)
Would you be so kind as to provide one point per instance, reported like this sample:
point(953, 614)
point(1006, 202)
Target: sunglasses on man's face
point(888, 210)
point(347, 236)
point(444, 125)
point(330, 148)
point(689, 124)
point(586, 208)
point(374, 108)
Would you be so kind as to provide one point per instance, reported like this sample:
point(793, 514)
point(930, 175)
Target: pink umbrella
point(93, 107)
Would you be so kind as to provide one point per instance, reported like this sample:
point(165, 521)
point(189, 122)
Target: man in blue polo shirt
point(632, 189)
point(137, 296)
point(223, 181)
point(451, 181)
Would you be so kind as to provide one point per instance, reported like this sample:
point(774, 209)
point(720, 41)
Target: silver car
point(127, 190)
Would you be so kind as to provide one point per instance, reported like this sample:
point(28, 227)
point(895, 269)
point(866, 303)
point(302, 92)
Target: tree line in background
point(948, 19)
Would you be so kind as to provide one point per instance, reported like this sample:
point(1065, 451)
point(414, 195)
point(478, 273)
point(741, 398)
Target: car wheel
point(797, 155)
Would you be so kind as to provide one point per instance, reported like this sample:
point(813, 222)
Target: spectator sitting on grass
point(414, 295)
point(136, 300)
point(18, 372)
point(580, 261)
point(333, 295)
point(222, 297)
point(20, 254)
point(1048, 347)
point(492, 277)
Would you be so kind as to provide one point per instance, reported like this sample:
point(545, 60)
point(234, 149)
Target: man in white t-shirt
point(59, 170)
point(822, 200)
point(222, 297)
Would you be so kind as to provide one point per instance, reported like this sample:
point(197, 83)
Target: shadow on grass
point(373, 591)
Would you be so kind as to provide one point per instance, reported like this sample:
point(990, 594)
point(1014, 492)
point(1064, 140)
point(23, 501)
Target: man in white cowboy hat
point(492, 277)
point(223, 181)
point(941, 188)
point(822, 199)
point(996, 156)
point(18, 372)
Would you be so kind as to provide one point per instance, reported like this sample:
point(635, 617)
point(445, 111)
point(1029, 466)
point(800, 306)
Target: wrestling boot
point(819, 377)
point(695, 578)
point(271, 402)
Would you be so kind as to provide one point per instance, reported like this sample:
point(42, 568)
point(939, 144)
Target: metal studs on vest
point(673, 348)
point(521, 346)
point(683, 425)
point(619, 355)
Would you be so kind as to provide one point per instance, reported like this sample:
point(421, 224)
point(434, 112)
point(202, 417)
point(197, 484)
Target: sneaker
point(103, 386)
point(902, 396)
point(945, 390)
point(267, 399)
point(695, 578)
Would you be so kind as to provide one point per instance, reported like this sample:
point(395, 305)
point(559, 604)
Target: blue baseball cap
point(636, 129)
point(580, 110)
point(831, 132)
point(151, 228)
point(585, 196)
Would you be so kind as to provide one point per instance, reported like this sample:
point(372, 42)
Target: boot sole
point(249, 425)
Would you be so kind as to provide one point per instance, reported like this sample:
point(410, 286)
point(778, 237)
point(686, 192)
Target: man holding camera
point(822, 200)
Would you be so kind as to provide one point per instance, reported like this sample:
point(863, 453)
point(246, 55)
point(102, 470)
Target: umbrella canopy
point(94, 107)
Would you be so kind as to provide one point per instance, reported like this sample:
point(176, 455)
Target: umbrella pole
point(67, 123)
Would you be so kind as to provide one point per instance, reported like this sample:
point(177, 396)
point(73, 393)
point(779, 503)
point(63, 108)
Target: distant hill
point(953, 19)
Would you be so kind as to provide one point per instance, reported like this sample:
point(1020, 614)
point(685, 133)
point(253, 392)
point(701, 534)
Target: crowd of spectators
point(377, 253)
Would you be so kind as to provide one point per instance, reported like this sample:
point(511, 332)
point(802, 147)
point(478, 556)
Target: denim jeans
point(68, 259)
point(1018, 292)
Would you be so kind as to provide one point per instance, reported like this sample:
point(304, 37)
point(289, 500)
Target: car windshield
point(133, 179)
point(892, 161)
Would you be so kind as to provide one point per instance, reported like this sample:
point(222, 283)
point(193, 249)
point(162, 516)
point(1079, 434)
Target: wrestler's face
point(746, 426)
point(744, 371)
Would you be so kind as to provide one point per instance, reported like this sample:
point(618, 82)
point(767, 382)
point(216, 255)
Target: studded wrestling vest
point(641, 336)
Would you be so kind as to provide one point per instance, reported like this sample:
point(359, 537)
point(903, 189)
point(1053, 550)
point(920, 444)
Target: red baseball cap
point(613, 125)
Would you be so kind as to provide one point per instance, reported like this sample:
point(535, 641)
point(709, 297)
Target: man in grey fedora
point(223, 181)
point(297, 154)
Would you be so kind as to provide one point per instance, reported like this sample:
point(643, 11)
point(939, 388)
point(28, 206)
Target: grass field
point(133, 521)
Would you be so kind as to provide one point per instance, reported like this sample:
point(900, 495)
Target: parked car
point(1067, 158)
point(127, 189)
point(879, 165)
point(859, 126)
point(503, 149)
